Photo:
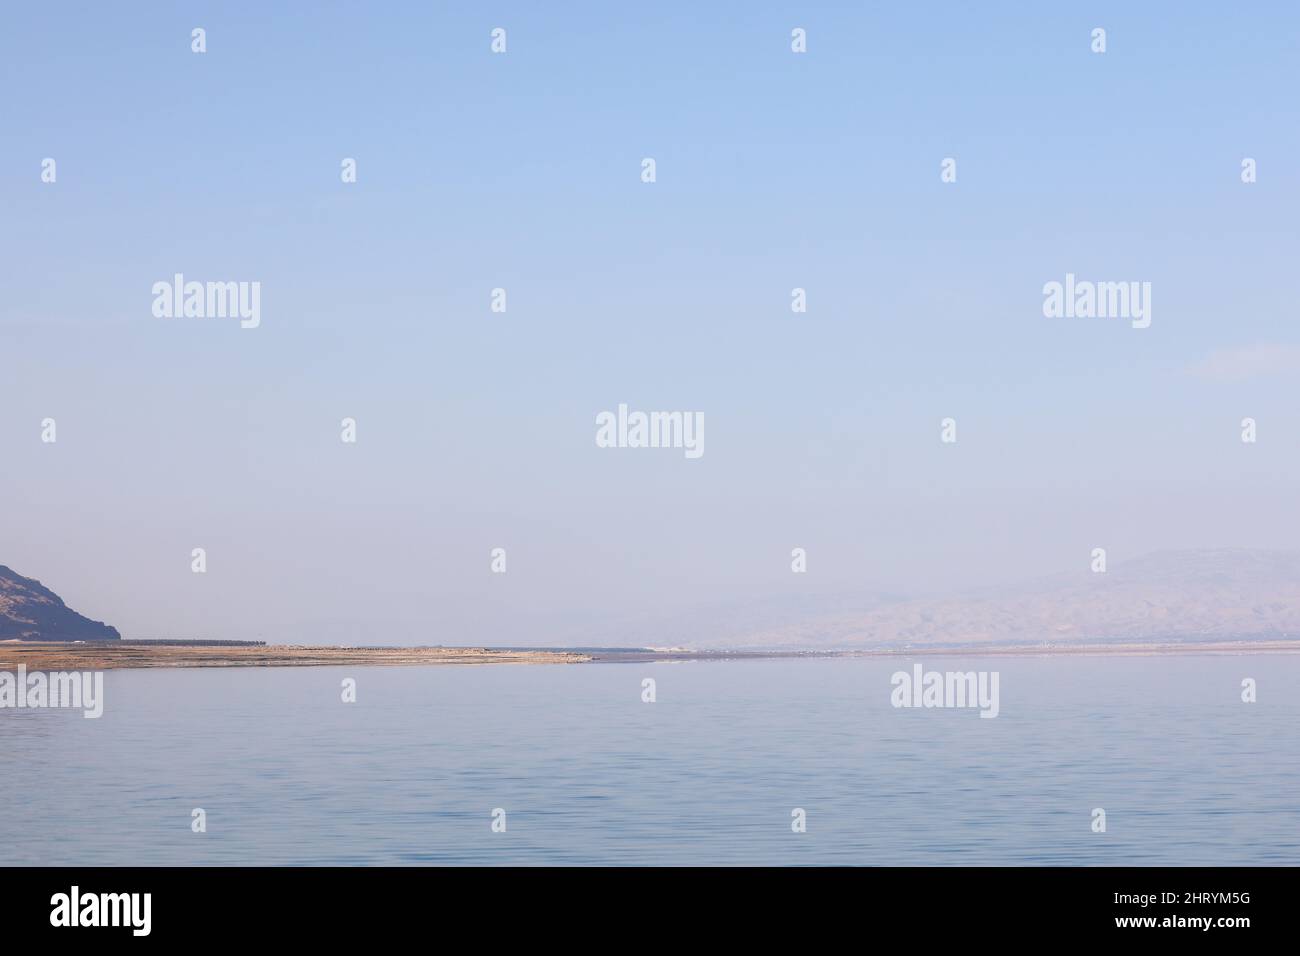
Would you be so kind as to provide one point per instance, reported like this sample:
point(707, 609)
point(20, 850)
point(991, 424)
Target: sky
point(522, 170)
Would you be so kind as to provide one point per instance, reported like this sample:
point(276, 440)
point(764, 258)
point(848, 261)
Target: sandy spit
point(110, 655)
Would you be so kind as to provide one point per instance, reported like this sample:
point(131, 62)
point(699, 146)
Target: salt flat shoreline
point(1136, 649)
point(111, 655)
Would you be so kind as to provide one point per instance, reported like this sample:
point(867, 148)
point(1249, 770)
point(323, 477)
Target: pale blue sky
point(775, 170)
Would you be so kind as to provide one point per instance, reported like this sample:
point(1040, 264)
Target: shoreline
point(112, 655)
point(1142, 649)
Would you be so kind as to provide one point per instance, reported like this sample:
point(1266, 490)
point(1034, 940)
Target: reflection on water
point(709, 773)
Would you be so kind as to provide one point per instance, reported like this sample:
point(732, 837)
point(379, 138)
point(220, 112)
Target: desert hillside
point(29, 611)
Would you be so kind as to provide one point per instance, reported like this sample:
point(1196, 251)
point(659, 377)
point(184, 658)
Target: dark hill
point(29, 611)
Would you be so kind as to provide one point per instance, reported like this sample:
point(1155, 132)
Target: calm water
point(587, 773)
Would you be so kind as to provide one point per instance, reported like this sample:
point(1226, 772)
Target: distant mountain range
point(1165, 597)
point(29, 611)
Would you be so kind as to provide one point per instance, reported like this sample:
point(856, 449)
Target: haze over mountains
point(29, 611)
point(1169, 596)
point(1164, 597)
